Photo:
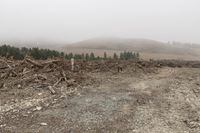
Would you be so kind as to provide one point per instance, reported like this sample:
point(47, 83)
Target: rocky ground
point(136, 100)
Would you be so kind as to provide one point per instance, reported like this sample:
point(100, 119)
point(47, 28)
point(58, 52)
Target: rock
point(38, 108)
point(25, 115)
point(88, 100)
point(43, 124)
point(29, 112)
point(3, 125)
point(19, 86)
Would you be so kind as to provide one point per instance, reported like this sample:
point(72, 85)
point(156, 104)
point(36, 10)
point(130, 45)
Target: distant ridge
point(149, 46)
point(136, 44)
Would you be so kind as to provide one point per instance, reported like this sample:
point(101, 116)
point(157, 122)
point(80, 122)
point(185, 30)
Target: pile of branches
point(55, 72)
point(113, 65)
point(178, 63)
point(41, 74)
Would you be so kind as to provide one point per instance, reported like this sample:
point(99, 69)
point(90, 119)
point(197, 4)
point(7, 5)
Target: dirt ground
point(164, 101)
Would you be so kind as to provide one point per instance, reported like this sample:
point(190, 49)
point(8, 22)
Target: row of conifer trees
point(36, 53)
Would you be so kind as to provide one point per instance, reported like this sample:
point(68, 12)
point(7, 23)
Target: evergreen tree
point(62, 54)
point(121, 56)
point(137, 55)
point(115, 56)
point(66, 57)
point(128, 55)
point(87, 56)
point(70, 55)
point(92, 57)
point(17, 53)
point(105, 55)
point(82, 56)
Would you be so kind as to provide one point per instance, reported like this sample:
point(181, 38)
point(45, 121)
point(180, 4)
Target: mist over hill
point(138, 45)
point(46, 44)
point(147, 47)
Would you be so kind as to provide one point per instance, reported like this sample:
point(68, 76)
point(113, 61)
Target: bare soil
point(161, 100)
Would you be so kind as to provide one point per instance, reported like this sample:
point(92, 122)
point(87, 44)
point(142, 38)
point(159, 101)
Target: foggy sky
point(75, 20)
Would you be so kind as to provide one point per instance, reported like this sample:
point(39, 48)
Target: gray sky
point(75, 20)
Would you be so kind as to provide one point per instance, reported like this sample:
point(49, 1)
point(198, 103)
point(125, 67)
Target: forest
point(43, 54)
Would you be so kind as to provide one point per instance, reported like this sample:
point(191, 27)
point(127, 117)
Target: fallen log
point(64, 75)
point(3, 67)
point(51, 90)
point(34, 63)
point(58, 82)
point(42, 77)
point(52, 61)
point(11, 70)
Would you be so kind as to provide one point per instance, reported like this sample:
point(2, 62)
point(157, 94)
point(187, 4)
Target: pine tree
point(82, 56)
point(115, 56)
point(62, 54)
point(87, 56)
point(70, 55)
point(105, 55)
point(92, 57)
point(137, 55)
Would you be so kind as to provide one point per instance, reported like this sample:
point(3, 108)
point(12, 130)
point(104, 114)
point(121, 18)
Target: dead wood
point(33, 62)
point(52, 61)
point(64, 75)
point(58, 82)
point(51, 90)
point(54, 73)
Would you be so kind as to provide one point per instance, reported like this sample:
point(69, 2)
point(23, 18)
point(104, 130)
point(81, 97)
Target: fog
point(75, 20)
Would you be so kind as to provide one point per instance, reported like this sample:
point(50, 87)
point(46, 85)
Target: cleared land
point(144, 97)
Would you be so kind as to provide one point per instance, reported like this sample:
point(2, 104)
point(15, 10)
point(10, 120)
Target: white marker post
point(72, 63)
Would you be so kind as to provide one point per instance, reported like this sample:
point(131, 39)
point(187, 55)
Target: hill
point(148, 48)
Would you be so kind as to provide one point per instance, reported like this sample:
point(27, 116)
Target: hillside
point(118, 44)
point(149, 48)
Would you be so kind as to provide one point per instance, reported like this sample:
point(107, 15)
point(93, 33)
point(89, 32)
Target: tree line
point(19, 53)
point(43, 54)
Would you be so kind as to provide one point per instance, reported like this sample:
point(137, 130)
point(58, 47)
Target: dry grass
point(144, 55)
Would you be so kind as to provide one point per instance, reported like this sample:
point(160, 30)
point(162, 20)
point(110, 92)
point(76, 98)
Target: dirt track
point(166, 101)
